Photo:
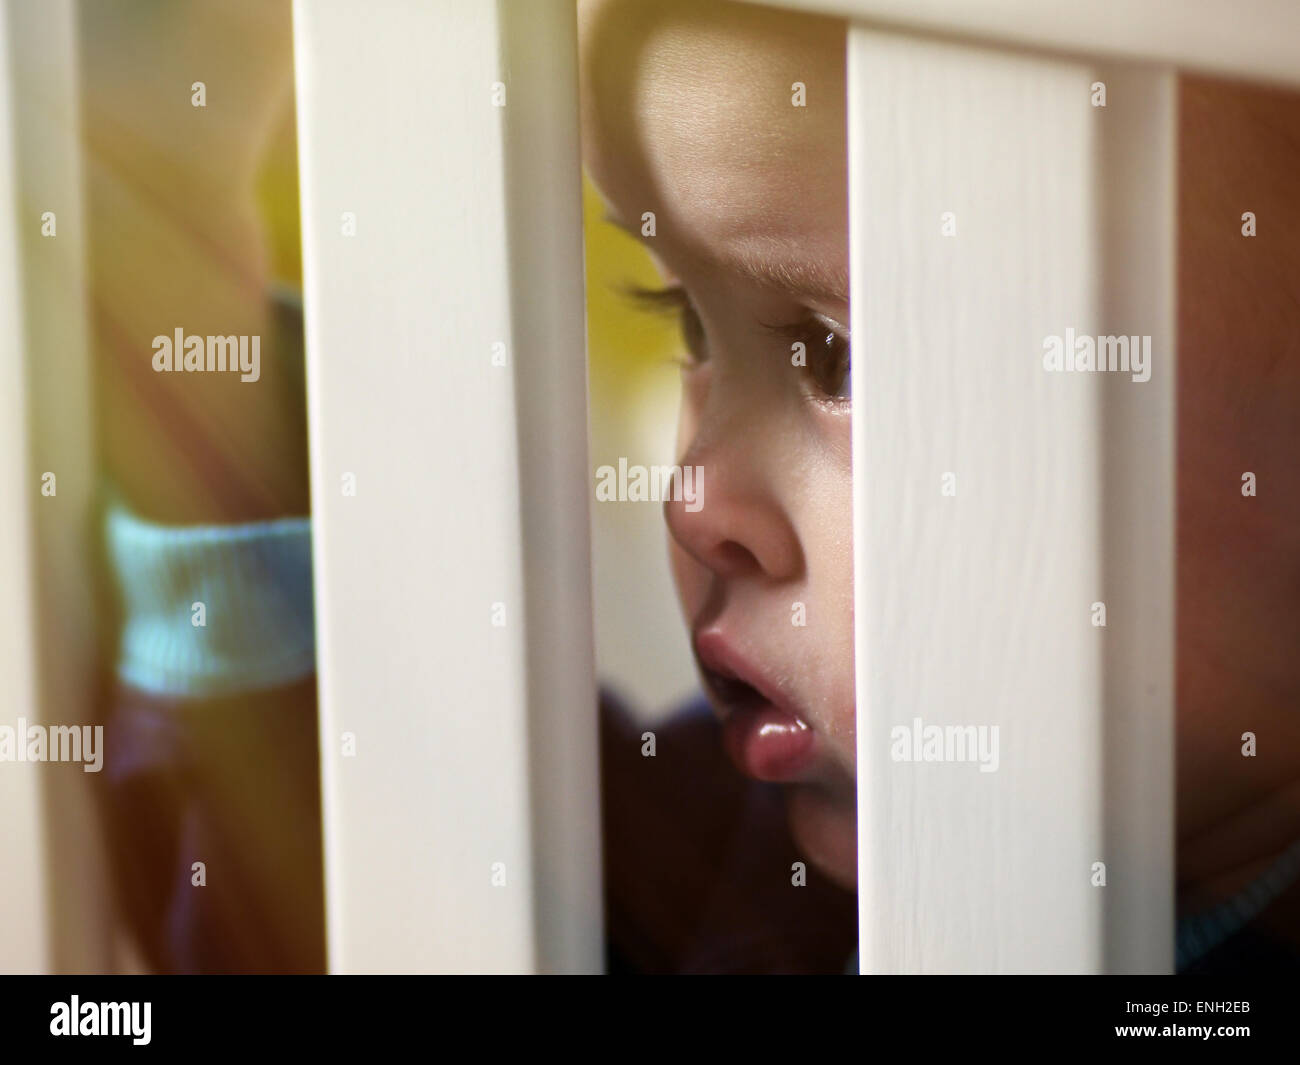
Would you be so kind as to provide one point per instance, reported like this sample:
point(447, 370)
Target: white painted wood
point(475, 744)
point(54, 890)
point(24, 890)
point(1258, 41)
point(976, 609)
point(1137, 165)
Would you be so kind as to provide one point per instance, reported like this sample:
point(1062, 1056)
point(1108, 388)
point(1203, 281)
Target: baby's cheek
point(828, 543)
point(845, 736)
point(838, 716)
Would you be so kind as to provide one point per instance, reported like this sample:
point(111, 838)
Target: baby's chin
point(824, 824)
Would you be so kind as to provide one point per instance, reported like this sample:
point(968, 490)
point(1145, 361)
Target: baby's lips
point(716, 652)
point(767, 743)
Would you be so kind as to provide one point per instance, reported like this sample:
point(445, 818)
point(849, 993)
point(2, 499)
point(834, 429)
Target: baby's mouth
point(730, 693)
point(763, 732)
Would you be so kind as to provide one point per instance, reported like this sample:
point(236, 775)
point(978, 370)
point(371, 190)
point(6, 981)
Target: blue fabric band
point(255, 584)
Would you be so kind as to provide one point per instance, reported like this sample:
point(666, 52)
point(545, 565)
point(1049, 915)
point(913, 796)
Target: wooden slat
point(25, 890)
point(475, 744)
point(1259, 41)
point(976, 609)
point(55, 888)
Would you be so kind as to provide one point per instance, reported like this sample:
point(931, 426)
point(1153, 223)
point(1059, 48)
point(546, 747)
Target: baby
point(716, 135)
point(690, 121)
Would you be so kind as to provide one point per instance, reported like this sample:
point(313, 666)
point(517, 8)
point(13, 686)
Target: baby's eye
point(829, 367)
point(674, 299)
point(827, 354)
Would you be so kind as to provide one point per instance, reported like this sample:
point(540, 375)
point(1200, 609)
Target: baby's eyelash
point(810, 325)
point(826, 343)
point(796, 330)
point(668, 300)
point(673, 300)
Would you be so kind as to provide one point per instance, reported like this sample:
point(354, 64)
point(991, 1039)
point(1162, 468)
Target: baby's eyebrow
point(817, 281)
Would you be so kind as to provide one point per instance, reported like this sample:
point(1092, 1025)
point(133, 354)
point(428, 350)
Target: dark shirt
point(698, 860)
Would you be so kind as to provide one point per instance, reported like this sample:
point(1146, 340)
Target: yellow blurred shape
point(624, 343)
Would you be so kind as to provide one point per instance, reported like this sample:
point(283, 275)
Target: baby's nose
point(729, 521)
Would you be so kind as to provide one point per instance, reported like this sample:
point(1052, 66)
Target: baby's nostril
point(735, 557)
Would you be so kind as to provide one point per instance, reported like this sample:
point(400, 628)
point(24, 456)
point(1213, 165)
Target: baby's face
point(689, 112)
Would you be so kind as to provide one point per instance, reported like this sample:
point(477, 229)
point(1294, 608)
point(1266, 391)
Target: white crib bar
point(24, 890)
point(976, 608)
point(53, 885)
point(1258, 42)
point(453, 601)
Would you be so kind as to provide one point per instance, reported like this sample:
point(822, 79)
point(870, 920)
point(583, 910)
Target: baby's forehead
point(727, 120)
